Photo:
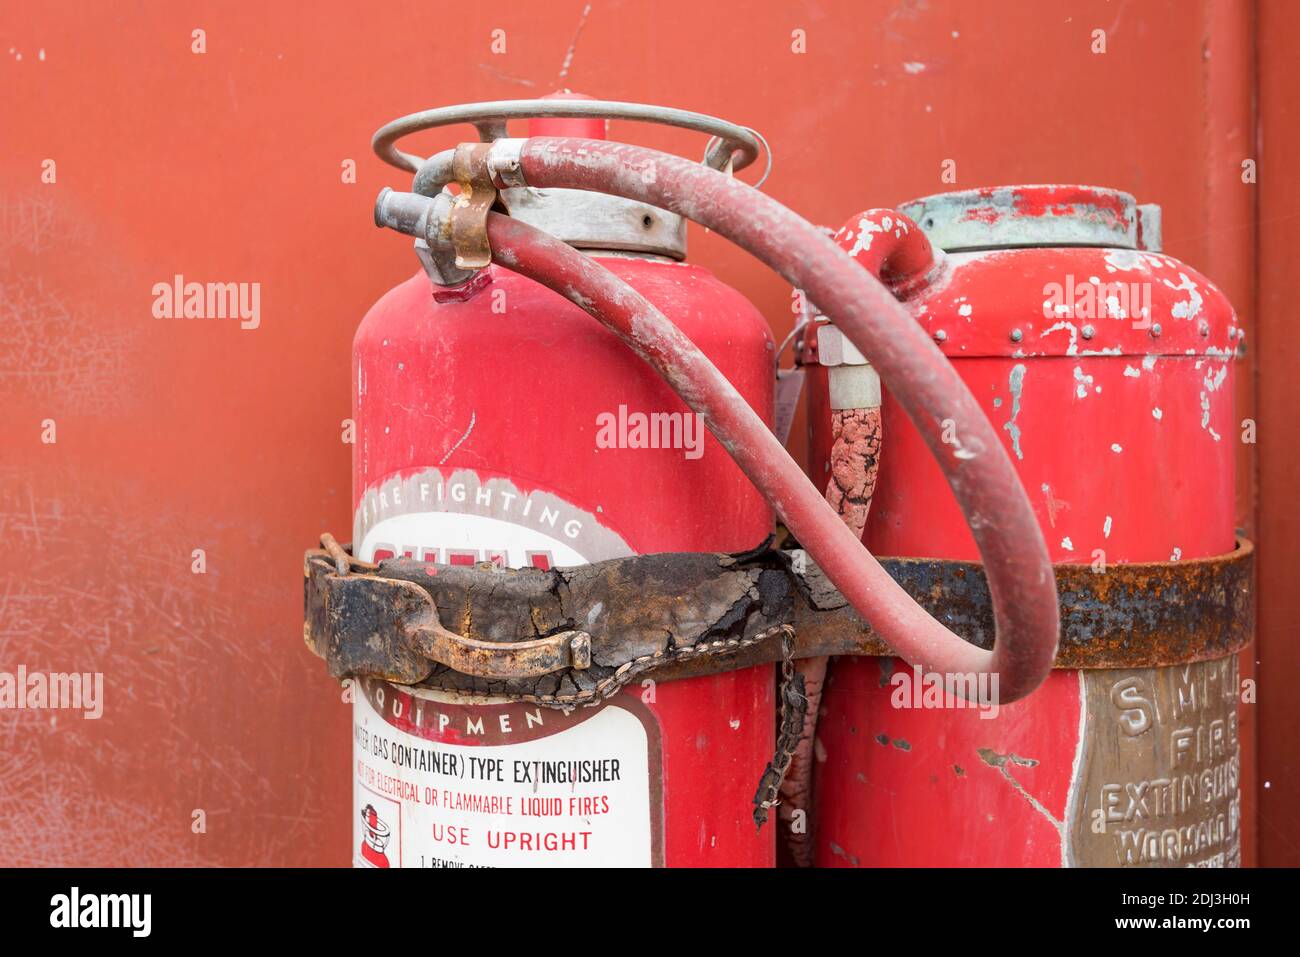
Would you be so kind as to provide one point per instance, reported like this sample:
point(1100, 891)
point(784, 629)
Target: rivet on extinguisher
point(1155, 329)
point(1016, 335)
point(1089, 332)
point(940, 336)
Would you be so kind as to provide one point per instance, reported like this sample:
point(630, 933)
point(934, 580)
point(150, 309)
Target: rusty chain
point(793, 708)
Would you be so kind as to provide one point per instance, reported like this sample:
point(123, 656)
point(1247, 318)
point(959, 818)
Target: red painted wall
point(1277, 346)
point(178, 434)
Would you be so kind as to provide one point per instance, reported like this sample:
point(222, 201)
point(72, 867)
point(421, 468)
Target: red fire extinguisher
point(498, 424)
point(1107, 369)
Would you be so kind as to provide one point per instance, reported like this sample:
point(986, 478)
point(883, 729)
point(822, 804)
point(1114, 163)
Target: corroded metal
point(793, 712)
point(512, 630)
point(470, 209)
point(1004, 216)
point(1159, 772)
point(389, 628)
point(1138, 614)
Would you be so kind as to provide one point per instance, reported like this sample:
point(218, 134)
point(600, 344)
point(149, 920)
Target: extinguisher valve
point(404, 212)
point(428, 219)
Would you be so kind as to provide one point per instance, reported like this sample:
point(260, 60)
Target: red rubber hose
point(978, 470)
point(1020, 575)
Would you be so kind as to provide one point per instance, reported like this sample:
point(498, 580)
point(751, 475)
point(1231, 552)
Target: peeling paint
point(840, 852)
point(1212, 383)
point(1123, 260)
point(1016, 382)
point(995, 760)
point(1000, 761)
point(1082, 382)
point(1073, 348)
point(1191, 307)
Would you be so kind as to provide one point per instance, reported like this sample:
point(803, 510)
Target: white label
point(445, 780)
point(575, 790)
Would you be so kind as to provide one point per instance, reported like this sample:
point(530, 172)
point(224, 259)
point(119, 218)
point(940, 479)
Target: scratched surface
point(177, 434)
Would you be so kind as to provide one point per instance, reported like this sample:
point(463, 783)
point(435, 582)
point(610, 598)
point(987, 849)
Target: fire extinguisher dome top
point(1063, 301)
point(1063, 271)
point(1001, 217)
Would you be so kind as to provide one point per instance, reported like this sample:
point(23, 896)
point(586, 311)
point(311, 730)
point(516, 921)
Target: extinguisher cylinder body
point(1107, 369)
point(498, 422)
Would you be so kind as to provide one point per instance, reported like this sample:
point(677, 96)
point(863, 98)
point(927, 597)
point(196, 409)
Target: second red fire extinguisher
point(1108, 368)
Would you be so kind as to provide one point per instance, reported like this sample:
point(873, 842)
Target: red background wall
point(225, 166)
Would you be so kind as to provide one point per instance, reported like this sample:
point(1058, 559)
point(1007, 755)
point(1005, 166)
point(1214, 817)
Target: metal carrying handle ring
point(730, 142)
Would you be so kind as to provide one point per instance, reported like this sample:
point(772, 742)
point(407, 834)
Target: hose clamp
point(505, 163)
point(478, 194)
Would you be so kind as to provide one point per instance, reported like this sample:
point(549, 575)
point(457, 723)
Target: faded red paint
point(1124, 440)
point(444, 385)
point(890, 246)
point(1278, 652)
point(983, 214)
point(174, 435)
point(1036, 201)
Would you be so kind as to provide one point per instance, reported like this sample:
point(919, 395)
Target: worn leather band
point(512, 631)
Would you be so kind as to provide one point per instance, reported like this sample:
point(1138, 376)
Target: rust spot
point(995, 760)
point(364, 622)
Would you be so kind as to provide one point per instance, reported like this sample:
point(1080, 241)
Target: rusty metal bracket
point(469, 212)
point(592, 628)
point(397, 623)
